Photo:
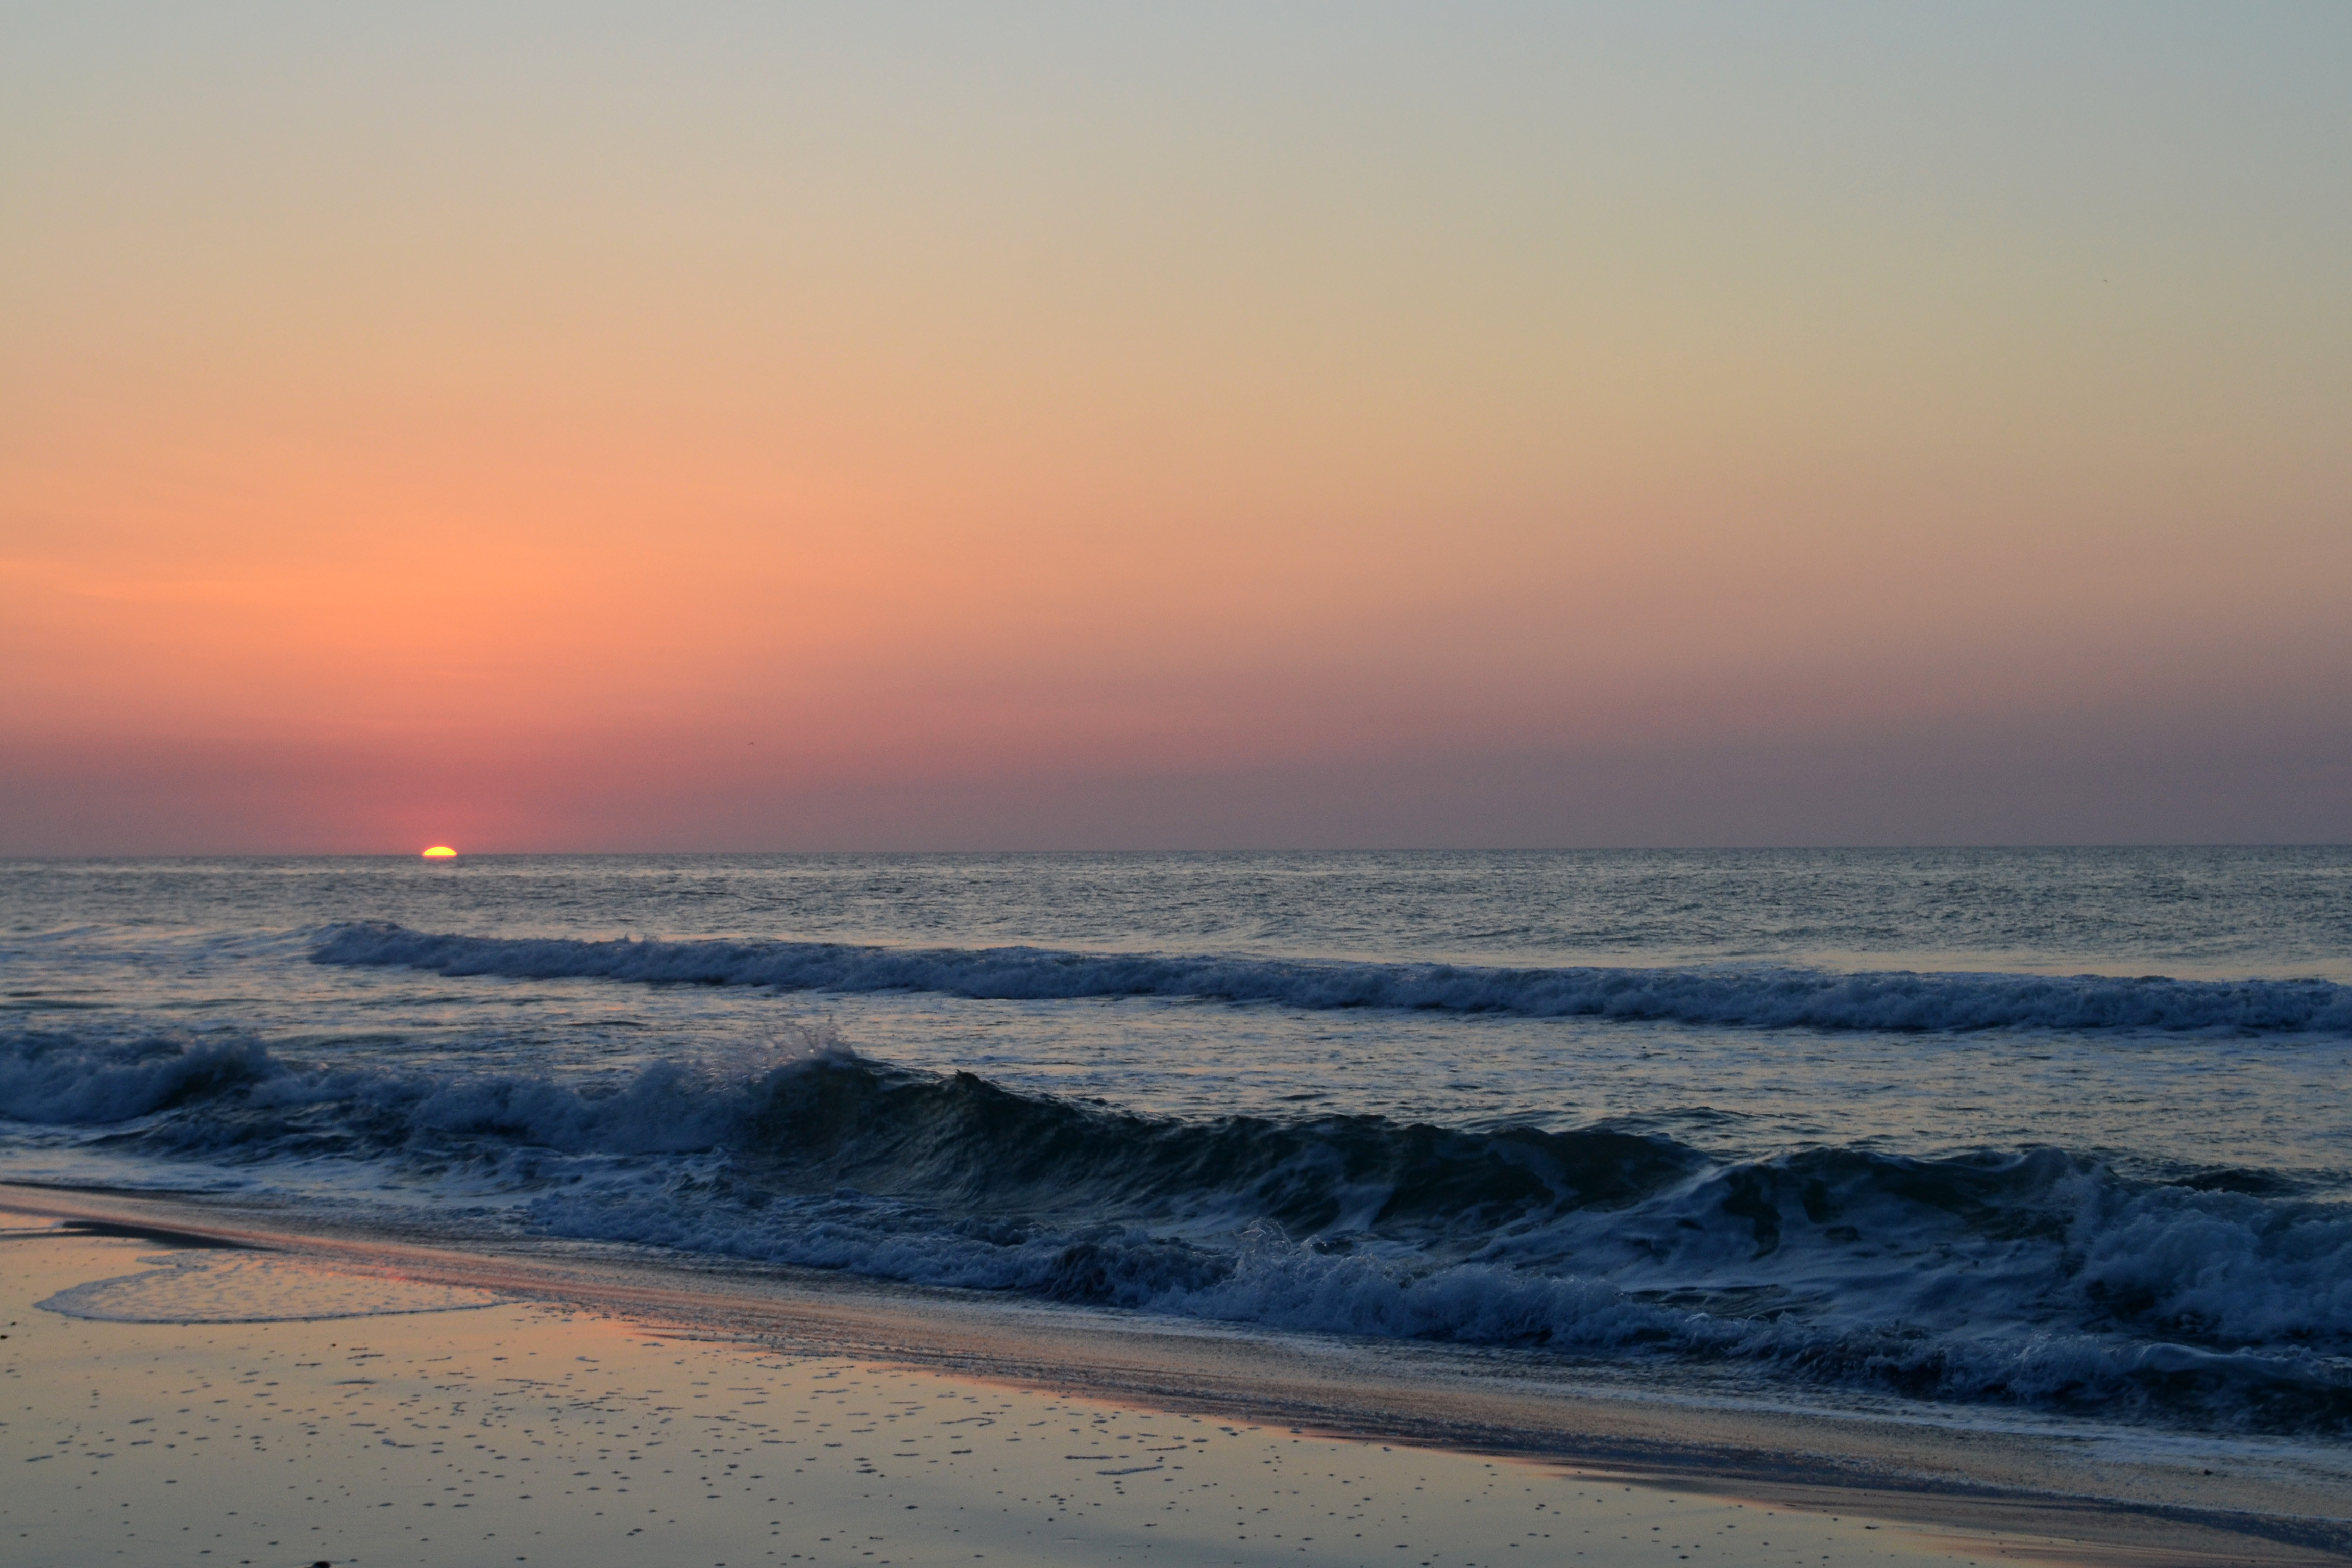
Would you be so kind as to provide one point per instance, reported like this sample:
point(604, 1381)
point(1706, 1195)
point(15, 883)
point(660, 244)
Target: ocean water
point(2061, 1131)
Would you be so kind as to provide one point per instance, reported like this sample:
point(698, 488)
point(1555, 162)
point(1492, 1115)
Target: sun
point(440, 852)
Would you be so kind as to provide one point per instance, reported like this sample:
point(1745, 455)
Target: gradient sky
point(590, 427)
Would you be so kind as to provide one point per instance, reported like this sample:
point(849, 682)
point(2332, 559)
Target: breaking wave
point(2034, 1274)
point(1760, 997)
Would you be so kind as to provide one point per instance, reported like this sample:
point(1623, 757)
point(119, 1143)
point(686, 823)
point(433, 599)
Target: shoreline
point(530, 1433)
point(2079, 1497)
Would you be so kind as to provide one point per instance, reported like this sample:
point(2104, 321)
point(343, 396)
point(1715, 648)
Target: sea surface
point(2060, 1132)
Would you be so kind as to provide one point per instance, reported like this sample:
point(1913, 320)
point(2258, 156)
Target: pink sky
point(876, 429)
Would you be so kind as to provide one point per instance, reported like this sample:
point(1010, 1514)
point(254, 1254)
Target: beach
point(2031, 1245)
point(1427, 786)
point(409, 1406)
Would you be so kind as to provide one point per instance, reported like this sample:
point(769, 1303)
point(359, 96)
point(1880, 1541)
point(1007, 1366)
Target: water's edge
point(2112, 1506)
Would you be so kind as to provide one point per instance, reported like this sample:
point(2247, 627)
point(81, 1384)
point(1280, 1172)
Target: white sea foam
point(1766, 997)
point(1692, 1105)
point(2034, 1274)
point(243, 1288)
point(59, 1077)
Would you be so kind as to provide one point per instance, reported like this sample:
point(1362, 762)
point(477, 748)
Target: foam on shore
point(528, 1434)
point(2035, 1278)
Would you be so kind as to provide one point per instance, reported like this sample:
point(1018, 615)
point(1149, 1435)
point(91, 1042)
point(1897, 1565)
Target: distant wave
point(1758, 998)
point(2036, 1275)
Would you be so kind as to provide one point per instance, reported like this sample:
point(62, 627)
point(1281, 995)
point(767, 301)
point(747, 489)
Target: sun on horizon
point(440, 852)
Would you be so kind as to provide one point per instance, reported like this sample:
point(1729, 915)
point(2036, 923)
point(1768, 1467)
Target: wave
point(54, 1079)
point(1757, 998)
point(2036, 1276)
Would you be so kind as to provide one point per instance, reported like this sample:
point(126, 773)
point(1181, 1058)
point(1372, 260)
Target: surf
point(2036, 1276)
point(1721, 996)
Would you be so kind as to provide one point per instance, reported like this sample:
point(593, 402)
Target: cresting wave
point(1759, 997)
point(2034, 1276)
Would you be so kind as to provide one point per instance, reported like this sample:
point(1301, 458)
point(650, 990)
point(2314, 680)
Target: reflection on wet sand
point(528, 1434)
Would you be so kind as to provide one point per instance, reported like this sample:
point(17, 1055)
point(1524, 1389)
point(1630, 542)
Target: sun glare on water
point(440, 852)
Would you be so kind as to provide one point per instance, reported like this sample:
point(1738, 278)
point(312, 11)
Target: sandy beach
point(407, 1405)
point(1429, 786)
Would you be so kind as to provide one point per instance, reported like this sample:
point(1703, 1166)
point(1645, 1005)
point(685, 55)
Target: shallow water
point(2064, 1129)
point(529, 1434)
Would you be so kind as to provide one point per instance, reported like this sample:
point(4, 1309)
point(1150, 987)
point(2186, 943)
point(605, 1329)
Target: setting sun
point(1780, 551)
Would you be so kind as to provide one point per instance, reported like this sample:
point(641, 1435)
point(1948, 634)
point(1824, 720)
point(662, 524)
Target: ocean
point(2065, 1133)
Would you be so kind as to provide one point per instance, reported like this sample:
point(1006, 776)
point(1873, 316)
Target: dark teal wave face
point(2160, 1072)
point(1750, 995)
point(2034, 1276)
point(2063, 1130)
point(2184, 913)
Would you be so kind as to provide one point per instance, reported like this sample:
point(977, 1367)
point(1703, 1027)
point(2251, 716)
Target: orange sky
point(867, 427)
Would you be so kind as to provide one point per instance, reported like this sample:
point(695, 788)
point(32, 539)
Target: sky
point(611, 427)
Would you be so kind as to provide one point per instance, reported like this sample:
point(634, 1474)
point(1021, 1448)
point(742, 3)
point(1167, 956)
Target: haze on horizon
point(544, 427)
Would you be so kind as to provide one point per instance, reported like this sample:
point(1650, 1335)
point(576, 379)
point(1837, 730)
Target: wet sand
point(580, 1407)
